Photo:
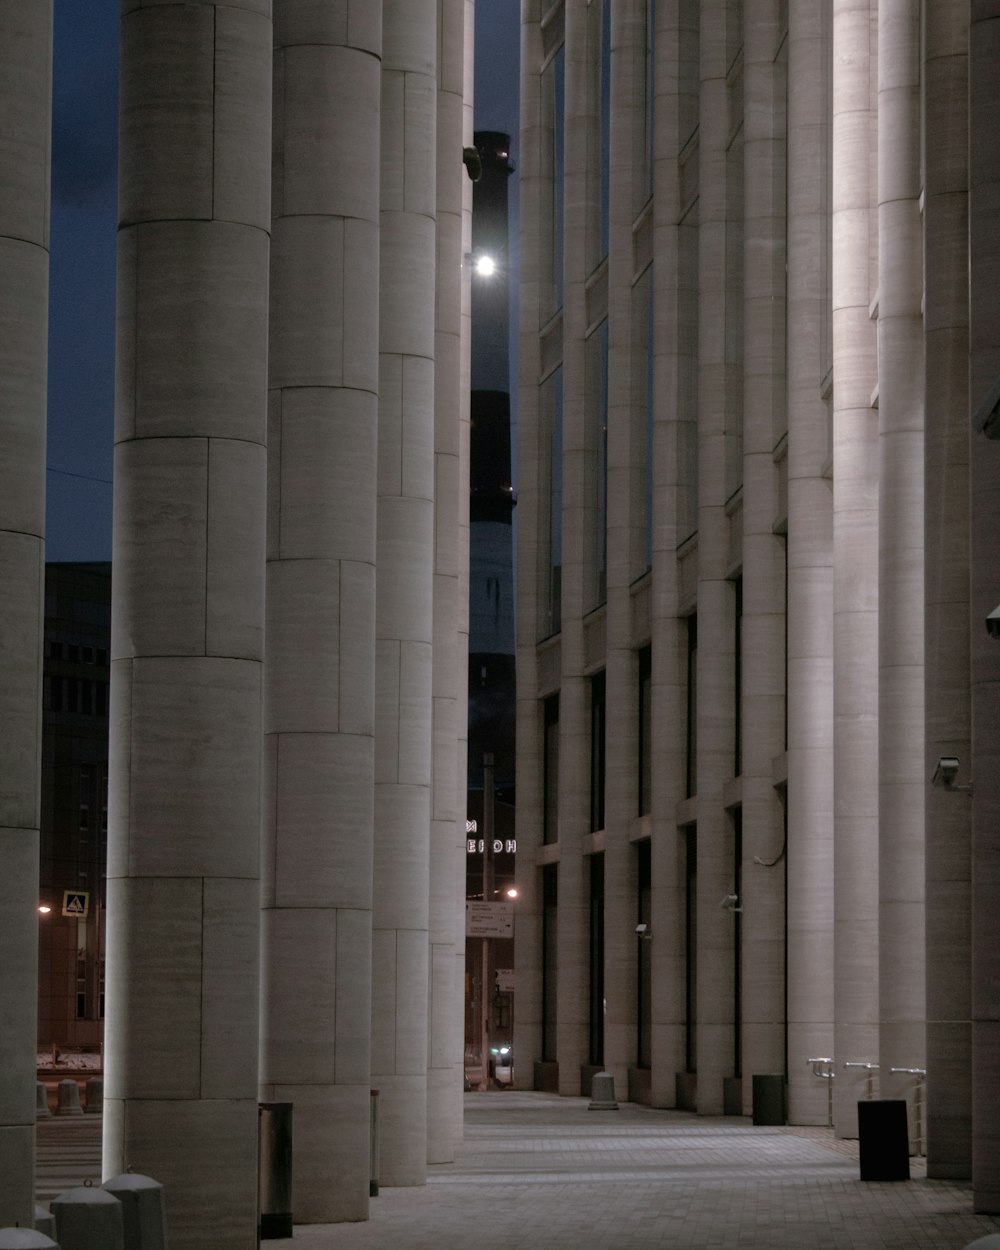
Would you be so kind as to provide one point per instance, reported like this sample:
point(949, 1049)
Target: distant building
point(74, 805)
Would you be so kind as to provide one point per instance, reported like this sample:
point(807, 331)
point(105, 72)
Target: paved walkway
point(537, 1172)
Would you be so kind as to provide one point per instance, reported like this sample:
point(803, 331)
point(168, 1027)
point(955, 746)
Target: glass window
point(692, 707)
point(644, 969)
point(596, 1041)
point(550, 509)
point(598, 721)
point(550, 952)
point(550, 770)
point(645, 731)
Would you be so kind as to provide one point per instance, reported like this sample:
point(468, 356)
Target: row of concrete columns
point(821, 197)
point(291, 447)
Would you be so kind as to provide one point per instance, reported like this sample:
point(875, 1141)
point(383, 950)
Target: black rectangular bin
point(884, 1139)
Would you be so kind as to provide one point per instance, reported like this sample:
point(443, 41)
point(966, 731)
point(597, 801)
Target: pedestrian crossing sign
point(76, 903)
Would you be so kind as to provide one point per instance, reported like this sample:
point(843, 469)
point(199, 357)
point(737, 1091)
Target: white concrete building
point(758, 314)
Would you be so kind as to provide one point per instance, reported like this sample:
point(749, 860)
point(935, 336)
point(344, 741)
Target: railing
point(823, 1068)
point(871, 1069)
point(918, 1101)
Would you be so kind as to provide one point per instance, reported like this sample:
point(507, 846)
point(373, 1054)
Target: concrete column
point(187, 614)
point(25, 103)
point(717, 413)
point(675, 387)
point(574, 703)
point(530, 500)
point(318, 726)
point(984, 503)
point(946, 586)
point(810, 566)
point(855, 544)
point(762, 895)
point(902, 778)
point(462, 607)
point(404, 584)
point(626, 540)
point(450, 678)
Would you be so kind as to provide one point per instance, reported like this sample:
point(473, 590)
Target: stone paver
point(536, 1171)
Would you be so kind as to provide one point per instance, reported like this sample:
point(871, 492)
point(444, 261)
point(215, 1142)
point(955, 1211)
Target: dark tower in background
point(491, 582)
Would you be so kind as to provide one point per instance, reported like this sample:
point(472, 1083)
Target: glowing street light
point(485, 265)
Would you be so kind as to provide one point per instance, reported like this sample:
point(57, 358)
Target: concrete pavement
point(540, 1171)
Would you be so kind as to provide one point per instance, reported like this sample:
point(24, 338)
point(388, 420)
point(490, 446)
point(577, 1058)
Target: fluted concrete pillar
point(25, 103)
point(319, 707)
point(450, 678)
point(984, 503)
point(762, 667)
point(573, 974)
point(810, 567)
point(675, 318)
point(855, 544)
point(404, 585)
point(946, 586)
point(187, 615)
point(718, 411)
point(530, 503)
point(902, 778)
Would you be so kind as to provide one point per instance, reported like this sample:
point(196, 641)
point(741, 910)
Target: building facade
point(74, 806)
point(758, 325)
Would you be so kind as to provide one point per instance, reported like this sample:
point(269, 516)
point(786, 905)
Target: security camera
point(640, 929)
point(993, 623)
point(945, 772)
point(731, 902)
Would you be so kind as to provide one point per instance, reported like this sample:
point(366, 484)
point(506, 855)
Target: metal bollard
point(143, 1217)
point(69, 1098)
point(88, 1218)
point(25, 1239)
point(373, 1148)
point(94, 1095)
point(42, 1111)
point(274, 1175)
point(602, 1092)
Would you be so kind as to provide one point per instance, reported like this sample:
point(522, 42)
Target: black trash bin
point(274, 1175)
point(768, 1099)
point(884, 1139)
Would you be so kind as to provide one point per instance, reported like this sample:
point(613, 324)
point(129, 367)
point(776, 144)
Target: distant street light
point(485, 265)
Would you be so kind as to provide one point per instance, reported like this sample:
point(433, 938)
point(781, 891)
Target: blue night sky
point(83, 226)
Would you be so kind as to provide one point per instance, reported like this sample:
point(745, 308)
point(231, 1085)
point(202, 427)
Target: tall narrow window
point(645, 731)
point(644, 967)
point(550, 769)
point(650, 92)
point(737, 676)
point(550, 512)
point(596, 1045)
point(605, 89)
point(598, 718)
point(736, 817)
point(596, 409)
point(692, 707)
point(550, 951)
point(691, 949)
point(553, 117)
